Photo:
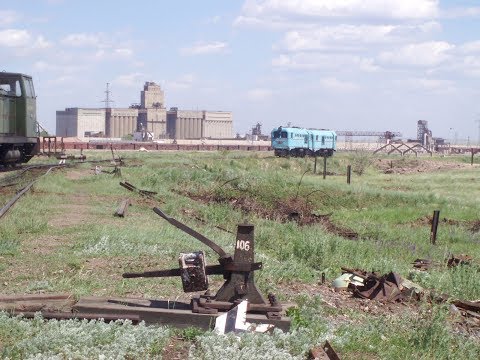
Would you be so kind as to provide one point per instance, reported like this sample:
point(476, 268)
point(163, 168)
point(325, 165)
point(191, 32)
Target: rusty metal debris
point(117, 172)
point(422, 264)
point(470, 310)
point(145, 193)
point(389, 287)
point(115, 160)
point(122, 208)
point(456, 260)
point(452, 261)
point(325, 352)
point(53, 306)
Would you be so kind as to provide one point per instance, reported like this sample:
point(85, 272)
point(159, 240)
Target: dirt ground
point(412, 166)
point(291, 209)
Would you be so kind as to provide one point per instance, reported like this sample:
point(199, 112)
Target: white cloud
point(22, 42)
point(83, 40)
point(324, 61)
point(434, 85)
point(333, 84)
point(470, 47)
point(124, 52)
point(471, 65)
point(8, 17)
point(214, 19)
point(62, 80)
point(346, 37)
point(201, 48)
point(259, 94)
point(42, 43)
point(15, 38)
point(459, 12)
point(421, 54)
point(102, 54)
point(275, 12)
point(129, 80)
point(183, 82)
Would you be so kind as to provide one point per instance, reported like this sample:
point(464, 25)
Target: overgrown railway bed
point(64, 240)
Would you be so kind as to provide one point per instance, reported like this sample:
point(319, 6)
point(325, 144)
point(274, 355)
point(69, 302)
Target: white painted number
point(243, 245)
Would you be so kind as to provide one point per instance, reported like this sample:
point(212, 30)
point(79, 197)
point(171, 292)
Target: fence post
point(433, 232)
point(324, 166)
point(315, 165)
point(349, 173)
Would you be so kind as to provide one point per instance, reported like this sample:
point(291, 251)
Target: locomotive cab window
point(10, 87)
point(29, 91)
point(284, 135)
point(276, 134)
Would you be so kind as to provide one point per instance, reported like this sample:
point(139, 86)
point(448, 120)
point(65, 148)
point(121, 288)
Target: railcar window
point(284, 135)
point(276, 134)
point(323, 140)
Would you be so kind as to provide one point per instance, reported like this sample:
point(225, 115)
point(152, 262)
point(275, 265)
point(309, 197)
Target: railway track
point(16, 185)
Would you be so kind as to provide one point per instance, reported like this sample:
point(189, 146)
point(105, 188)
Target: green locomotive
point(18, 119)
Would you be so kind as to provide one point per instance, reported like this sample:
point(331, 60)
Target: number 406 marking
point(243, 245)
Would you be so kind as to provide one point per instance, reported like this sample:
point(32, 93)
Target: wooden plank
point(122, 208)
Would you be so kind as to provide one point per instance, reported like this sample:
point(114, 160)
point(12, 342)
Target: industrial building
point(195, 124)
point(150, 116)
point(76, 122)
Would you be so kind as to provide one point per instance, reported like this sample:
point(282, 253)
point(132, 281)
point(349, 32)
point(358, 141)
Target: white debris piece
point(235, 321)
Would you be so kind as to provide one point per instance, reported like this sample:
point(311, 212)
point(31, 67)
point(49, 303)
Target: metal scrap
point(422, 264)
point(389, 287)
point(146, 193)
point(324, 352)
point(457, 260)
point(452, 261)
point(470, 311)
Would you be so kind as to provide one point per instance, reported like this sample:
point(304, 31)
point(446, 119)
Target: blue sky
point(341, 64)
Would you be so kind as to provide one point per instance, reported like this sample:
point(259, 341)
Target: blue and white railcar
point(293, 141)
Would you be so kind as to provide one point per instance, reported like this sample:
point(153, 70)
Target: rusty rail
point(12, 201)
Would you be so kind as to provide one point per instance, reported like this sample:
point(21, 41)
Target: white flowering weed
point(108, 245)
point(277, 346)
point(79, 339)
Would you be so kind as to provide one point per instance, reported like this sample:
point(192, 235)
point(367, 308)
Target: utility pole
point(108, 112)
point(108, 101)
